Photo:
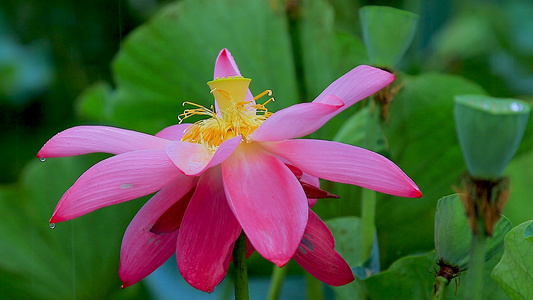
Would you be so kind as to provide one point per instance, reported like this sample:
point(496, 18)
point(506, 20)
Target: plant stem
point(439, 286)
point(293, 22)
point(368, 216)
point(474, 277)
point(372, 126)
point(315, 288)
point(241, 273)
point(368, 203)
point(276, 283)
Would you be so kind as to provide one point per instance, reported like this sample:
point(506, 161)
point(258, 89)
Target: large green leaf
point(78, 259)
point(513, 272)
point(407, 278)
point(528, 232)
point(346, 231)
point(92, 103)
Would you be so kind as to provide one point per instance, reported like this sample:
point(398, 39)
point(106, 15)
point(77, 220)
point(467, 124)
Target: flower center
point(234, 116)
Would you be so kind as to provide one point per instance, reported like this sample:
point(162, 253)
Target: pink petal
point(170, 220)
point(317, 255)
point(311, 186)
point(225, 65)
point(249, 248)
point(193, 159)
point(268, 201)
point(313, 192)
point(174, 132)
point(89, 139)
point(143, 251)
point(297, 172)
point(346, 164)
point(314, 181)
point(207, 234)
point(356, 85)
point(114, 180)
point(297, 120)
point(190, 158)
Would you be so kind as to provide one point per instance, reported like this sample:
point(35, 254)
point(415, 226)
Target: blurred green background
point(132, 63)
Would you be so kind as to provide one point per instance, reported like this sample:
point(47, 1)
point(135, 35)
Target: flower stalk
point(276, 283)
point(483, 201)
point(446, 273)
point(368, 202)
point(315, 290)
point(368, 217)
point(476, 263)
point(241, 272)
point(439, 286)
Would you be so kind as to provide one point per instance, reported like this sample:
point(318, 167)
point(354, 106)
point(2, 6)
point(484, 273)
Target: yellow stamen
point(269, 92)
point(200, 110)
point(235, 115)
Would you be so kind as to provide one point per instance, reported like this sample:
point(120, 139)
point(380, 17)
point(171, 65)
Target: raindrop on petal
point(42, 159)
point(126, 186)
point(52, 225)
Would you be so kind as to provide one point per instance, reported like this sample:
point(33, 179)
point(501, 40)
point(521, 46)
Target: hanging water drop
point(52, 225)
point(42, 159)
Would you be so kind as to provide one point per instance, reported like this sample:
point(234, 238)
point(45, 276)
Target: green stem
point(368, 203)
point(439, 286)
point(315, 288)
point(474, 277)
point(241, 273)
point(368, 217)
point(293, 22)
point(276, 283)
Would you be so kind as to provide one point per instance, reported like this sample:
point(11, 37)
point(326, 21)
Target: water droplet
point(42, 159)
point(515, 106)
point(126, 186)
point(52, 225)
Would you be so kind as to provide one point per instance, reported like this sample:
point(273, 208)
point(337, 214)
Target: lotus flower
point(238, 170)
